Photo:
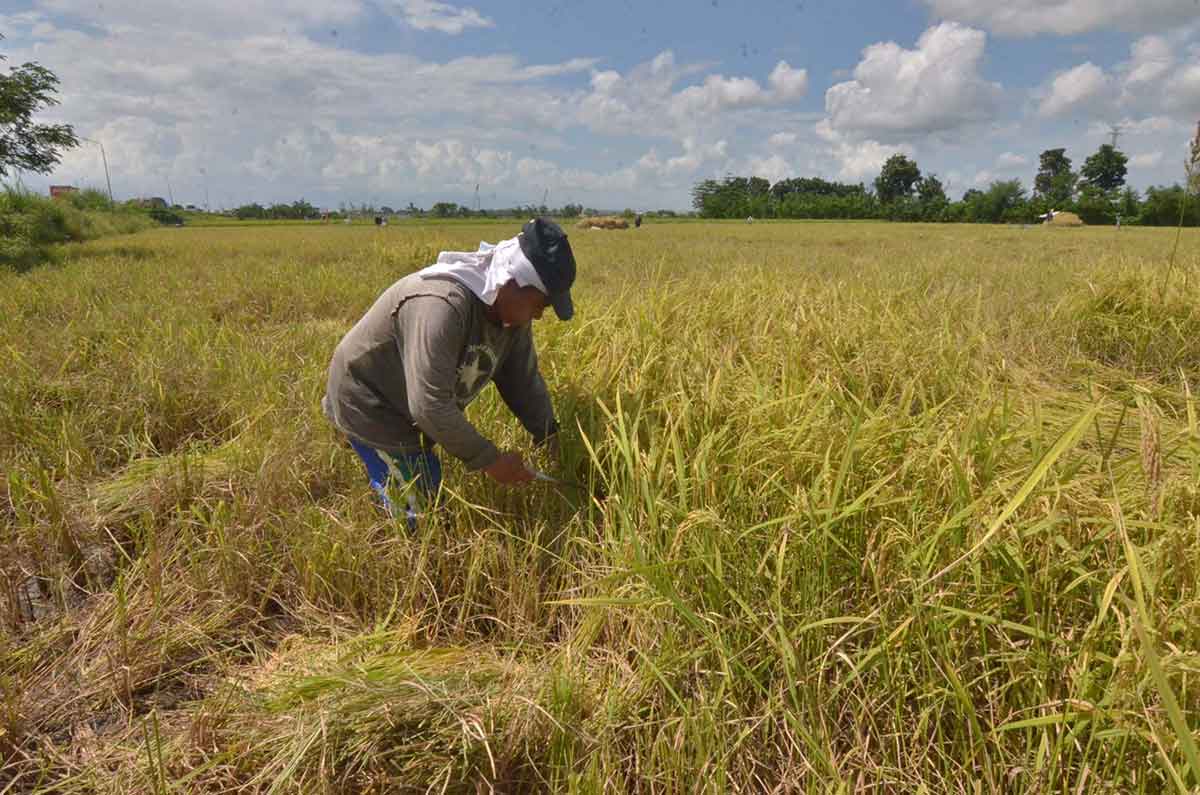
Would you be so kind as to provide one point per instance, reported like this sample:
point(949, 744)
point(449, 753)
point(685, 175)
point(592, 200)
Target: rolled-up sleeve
point(523, 388)
point(432, 335)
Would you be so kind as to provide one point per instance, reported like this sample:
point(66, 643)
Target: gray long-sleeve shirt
point(414, 361)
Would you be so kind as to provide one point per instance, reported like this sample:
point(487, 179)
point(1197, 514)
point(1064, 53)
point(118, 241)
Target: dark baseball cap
point(544, 244)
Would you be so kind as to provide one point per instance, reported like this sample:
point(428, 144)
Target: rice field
point(868, 508)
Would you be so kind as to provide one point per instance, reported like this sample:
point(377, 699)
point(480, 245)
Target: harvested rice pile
point(603, 222)
point(1066, 219)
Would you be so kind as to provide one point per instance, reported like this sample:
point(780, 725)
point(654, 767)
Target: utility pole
point(107, 181)
point(204, 173)
point(170, 195)
point(1114, 132)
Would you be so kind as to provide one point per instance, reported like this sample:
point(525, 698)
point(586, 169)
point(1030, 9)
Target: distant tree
point(571, 210)
point(1129, 205)
point(444, 209)
point(1166, 205)
point(813, 186)
point(1055, 181)
point(932, 196)
point(254, 210)
point(1004, 200)
point(302, 209)
point(1096, 206)
point(1106, 169)
point(387, 210)
point(24, 91)
point(897, 178)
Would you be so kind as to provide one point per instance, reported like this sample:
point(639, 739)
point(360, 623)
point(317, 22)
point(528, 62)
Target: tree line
point(1096, 192)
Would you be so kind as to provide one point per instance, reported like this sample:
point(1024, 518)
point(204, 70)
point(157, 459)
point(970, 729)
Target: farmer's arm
point(433, 334)
point(521, 385)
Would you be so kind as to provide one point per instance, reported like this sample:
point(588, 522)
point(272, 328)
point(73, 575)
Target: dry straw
point(603, 222)
point(1065, 218)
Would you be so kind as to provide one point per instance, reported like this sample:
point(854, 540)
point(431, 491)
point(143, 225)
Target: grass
point(31, 223)
point(873, 508)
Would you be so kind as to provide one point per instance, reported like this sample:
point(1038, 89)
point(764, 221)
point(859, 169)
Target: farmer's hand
point(509, 470)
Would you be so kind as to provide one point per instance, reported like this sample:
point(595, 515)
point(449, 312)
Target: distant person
point(401, 378)
point(379, 220)
point(637, 221)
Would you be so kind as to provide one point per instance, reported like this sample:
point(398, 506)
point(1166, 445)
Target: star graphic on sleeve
point(475, 370)
point(469, 373)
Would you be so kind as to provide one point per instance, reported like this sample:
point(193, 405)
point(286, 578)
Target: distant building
point(62, 190)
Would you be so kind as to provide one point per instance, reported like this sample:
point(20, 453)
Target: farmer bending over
point(400, 379)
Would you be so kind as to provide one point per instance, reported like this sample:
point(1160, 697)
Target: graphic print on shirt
point(474, 371)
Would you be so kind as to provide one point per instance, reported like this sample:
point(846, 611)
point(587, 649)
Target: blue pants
point(418, 475)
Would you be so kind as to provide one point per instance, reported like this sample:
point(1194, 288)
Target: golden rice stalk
point(1151, 457)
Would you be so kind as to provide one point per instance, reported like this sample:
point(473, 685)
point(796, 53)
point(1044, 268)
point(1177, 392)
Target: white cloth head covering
point(485, 271)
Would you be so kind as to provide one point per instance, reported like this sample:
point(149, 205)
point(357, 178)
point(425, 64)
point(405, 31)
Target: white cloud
point(716, 94)
point(787, 83)
point(1083, 88)
point(1150, 58)
point(1146, 160)
point(858, 160)
point(1182, 91)
point(1160, 78)
point(898, 93)
point(622, 104)
point(781, 139)
point(215, 17)
point(1066, 17)
point(433, 15)
point(168, 99)
point(772, 168)
point(1011, 160)
point(697, 158)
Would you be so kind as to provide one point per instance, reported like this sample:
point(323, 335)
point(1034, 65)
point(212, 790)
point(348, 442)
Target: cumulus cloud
point(1083, 88)
point(897, 93)
point(786, 83)
point(1010, 160)
point(622, 104)
point(781, 139)
point(771, 167)
point(291, 111)
point(1150, 59)
point(1160, 78)
point(858, 160)
point(696, 158)
point(1066, 17)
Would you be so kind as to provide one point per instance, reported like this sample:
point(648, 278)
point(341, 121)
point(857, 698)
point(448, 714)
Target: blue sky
point(611, 105)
